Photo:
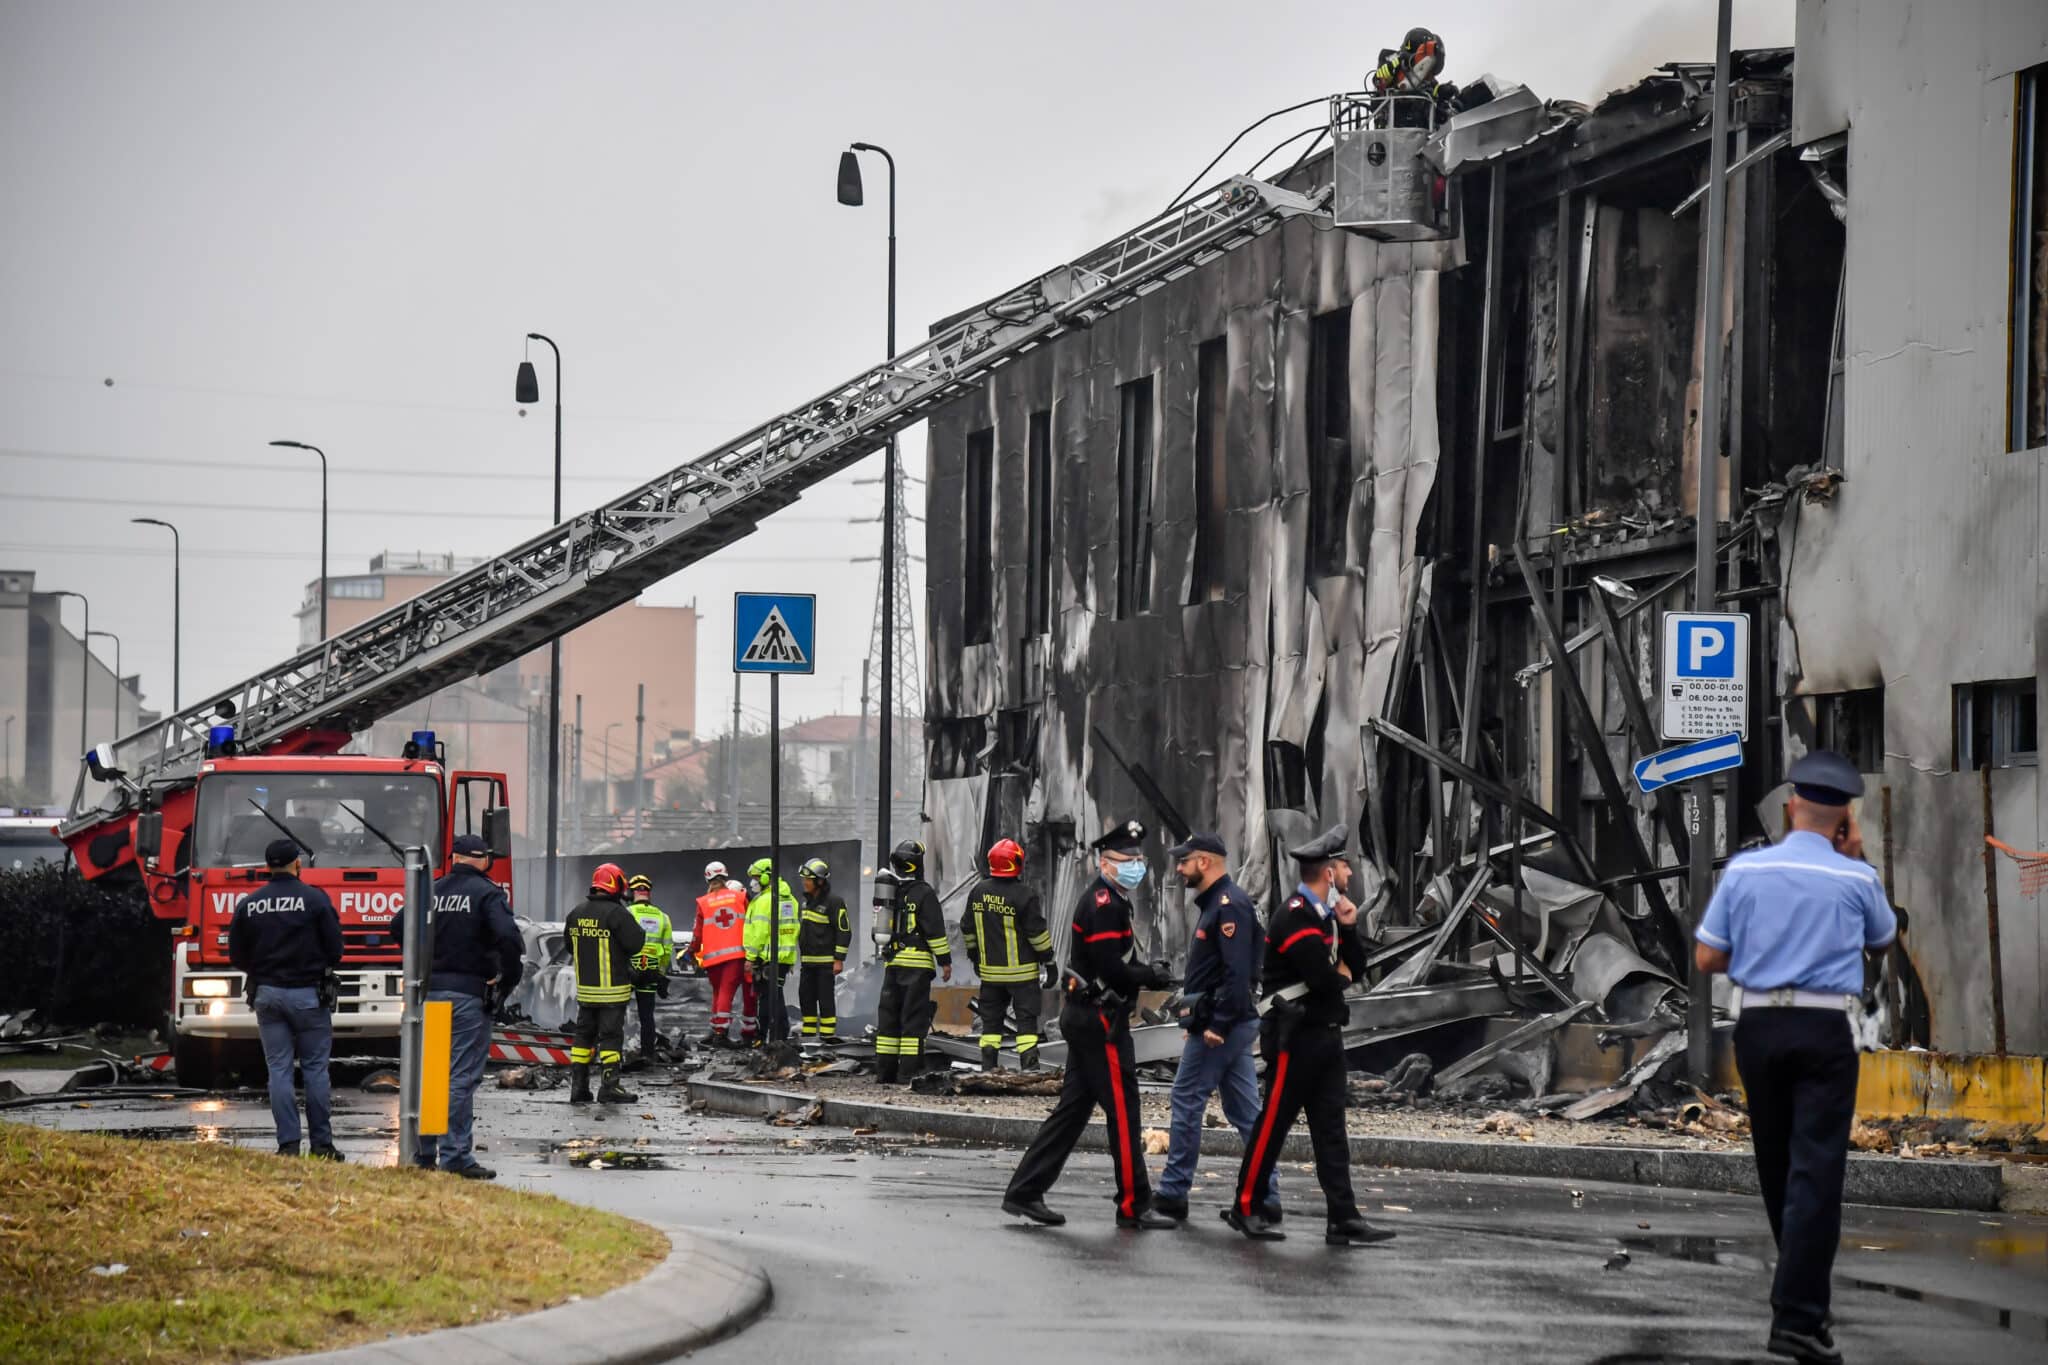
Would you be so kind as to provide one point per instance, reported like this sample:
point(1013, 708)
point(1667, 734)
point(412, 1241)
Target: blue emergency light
point(421, 745)
point(220, 741)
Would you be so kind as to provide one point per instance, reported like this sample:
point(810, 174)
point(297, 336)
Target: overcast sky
point(336, 224)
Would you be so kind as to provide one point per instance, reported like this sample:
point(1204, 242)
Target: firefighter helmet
point(608, 880)
point(907, 858)
point(1422, 53)
point(640, 881)
point(1006, 859)
point(817, 870)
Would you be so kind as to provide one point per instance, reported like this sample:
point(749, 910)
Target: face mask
point(1129, 874)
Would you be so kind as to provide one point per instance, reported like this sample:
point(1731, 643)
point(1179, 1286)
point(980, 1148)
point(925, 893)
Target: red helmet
point(1006, 859)
point(608, 880)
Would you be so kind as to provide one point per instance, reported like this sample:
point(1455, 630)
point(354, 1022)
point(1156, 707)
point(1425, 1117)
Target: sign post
point(416, 963)
point(774, 633)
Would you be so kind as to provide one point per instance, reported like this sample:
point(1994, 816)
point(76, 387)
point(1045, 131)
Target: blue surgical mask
point(1129, 874)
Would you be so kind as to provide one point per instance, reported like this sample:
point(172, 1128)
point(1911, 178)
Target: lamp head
point(527, 389)
point(849, 180)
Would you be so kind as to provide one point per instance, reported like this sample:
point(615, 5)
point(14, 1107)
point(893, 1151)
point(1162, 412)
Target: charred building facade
point(1304, 536)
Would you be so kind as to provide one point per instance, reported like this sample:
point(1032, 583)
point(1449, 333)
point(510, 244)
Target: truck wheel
point(201, 1063)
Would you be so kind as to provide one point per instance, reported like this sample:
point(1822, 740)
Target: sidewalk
point(699, 1295)
point(1880, 1180)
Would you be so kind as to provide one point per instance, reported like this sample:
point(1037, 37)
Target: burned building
point(1301, 536)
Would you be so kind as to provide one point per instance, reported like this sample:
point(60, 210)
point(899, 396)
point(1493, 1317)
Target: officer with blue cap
point(1789, 924)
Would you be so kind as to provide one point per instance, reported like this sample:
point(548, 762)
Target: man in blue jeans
point(477, 959)
point(285, 939)
point(1216, 1011)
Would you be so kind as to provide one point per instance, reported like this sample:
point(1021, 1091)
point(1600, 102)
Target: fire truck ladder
point(599, 559)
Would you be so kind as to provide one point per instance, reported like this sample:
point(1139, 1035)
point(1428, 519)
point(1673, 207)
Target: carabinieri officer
point(1789, 925)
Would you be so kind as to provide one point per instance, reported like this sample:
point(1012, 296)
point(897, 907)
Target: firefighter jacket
point(603, 937)
point(785, 916)
point(287, 934)
point(721, 925)
point(476, 940)
point(827, 930)
point(1304, 944)
point(1005, 930)
point(654, 954)
point(1101, 949)
point(920, 940)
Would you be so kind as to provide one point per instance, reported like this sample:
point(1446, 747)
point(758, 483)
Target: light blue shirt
point(1798, 914)
point(1315, 901)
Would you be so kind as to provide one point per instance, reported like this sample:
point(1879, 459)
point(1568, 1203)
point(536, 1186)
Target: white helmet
point(713, 870)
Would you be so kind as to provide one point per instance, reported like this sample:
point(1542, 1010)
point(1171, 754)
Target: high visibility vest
point(721, 925)
point(660, 946)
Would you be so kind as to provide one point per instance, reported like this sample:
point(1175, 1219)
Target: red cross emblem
point(723, 917)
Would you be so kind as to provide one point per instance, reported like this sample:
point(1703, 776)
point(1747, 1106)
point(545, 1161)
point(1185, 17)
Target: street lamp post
point(850, 195)
point(109, 635)
point(301, 445)
point(527, 390)
point(178, 600)
point(84, 665)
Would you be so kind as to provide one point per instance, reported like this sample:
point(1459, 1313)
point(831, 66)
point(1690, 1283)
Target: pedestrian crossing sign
point(774, 632)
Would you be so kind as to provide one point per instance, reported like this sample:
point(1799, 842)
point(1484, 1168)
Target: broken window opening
point(955, 746)
point(1511, 360)
point(1134, 499)
point(1329, 440)
point(1286, 776)
point(1212, 388)
point(978, 545)
point(2028, 374)
point(1997, 725)
point(1852, 725)
point(1038, 535)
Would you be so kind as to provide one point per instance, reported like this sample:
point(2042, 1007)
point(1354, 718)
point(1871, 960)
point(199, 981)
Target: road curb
point(700, 1294)
point(1891, 1181)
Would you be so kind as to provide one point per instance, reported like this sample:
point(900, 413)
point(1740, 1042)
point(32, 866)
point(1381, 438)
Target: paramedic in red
point(1313, 954)
point(721, 950)
point(1103, 978)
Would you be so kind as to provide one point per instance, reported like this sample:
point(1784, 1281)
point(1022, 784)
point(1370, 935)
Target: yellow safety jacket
point(654, 955)
point(786, 925)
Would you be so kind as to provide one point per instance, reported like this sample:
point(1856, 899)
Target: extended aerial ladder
point(315, 701)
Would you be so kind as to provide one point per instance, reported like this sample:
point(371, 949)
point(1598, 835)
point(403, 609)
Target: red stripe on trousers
point(1127, 1203)
point(1251, 1172)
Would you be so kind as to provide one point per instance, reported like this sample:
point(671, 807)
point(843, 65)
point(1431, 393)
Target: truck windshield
point(24, 843)
point(229, 831)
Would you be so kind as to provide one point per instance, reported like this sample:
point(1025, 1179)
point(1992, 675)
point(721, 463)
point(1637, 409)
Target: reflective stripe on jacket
point(785, 927)
point(654, 955)
point(603, 938)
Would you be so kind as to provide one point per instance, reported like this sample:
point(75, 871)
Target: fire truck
point(182, 808)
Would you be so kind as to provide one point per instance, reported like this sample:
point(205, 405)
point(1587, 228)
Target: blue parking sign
point(1706, 674)
point(774, 632)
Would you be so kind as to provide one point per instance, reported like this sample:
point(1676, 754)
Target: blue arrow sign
point(1696, 759)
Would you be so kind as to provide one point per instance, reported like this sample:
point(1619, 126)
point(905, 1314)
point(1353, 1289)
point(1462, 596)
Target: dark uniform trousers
point(1799, 1071)
point(814, 995)
point(1025, 997)
point(1100, 1071)
point(904, 1012)
point(1306, 1074)
point(600, 1034)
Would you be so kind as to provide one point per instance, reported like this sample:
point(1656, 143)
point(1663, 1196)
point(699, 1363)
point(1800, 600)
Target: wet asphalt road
point(885, 1250)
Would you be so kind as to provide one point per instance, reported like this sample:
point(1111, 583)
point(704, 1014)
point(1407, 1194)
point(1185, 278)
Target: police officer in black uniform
point(1103, 978)
point(1789, 924)
point(286, 939)
point(1313, 954)
point(478, 954)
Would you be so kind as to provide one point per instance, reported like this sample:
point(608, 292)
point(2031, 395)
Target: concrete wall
point(1926, 571)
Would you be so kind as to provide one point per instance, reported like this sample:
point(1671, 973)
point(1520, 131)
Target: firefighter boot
point(609, 1091)
point(579, 1082)
point(1027, 1060)
point(991, 1059)
point(885, 1071)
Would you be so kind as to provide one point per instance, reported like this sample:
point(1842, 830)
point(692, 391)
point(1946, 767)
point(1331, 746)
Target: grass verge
point(234, 1254)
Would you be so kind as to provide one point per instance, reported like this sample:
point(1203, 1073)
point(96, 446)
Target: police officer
point(771, 920)
point(1103, 978)
point(1222, 1027)
point(1789, 925)
point(822, 940)
point(1004, 929)
point(1313, 954)
point(650, 964)
point(603, 939)
point(918, 948)
point(286, 939)
point(478, 955)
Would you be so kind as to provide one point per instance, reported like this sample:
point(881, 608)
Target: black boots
point(609, 1091)
point(1027, 1060)
point(1147, 1219)
point(991, 1059)
point(1354, 1232)
point(885, 1070)
point(579, 1082)
point(1257, 1227)
point(1035, 1210)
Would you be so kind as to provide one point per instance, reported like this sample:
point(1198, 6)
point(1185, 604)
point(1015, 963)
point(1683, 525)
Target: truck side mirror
point(149, 834)
point(498, 831)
